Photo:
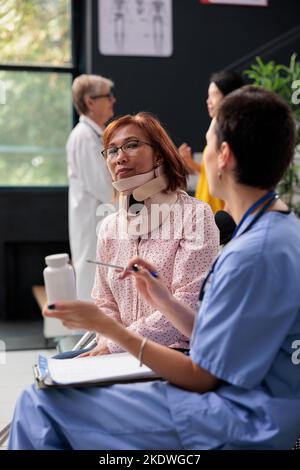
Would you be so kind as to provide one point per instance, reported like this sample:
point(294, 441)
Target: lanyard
point(270, 197)
point(93, 129)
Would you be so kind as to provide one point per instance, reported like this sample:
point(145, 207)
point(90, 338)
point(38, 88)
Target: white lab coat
point(89, 186)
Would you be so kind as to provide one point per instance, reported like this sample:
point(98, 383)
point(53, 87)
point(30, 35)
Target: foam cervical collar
point(142, 186)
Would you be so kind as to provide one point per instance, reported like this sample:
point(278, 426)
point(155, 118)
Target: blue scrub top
point(244, 335)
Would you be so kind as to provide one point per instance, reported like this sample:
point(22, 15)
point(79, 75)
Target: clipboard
point(44, 380)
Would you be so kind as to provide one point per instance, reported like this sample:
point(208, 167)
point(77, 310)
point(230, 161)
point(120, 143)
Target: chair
point(4, 433)
point(226, 226)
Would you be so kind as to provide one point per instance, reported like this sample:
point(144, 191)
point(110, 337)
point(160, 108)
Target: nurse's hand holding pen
point(150, 286)
point(147, 282)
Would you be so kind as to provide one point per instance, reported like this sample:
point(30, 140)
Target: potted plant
point(283, 80)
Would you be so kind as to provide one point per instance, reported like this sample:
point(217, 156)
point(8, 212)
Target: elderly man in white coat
point(89, 180)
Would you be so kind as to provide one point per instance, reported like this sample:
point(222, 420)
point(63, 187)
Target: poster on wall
point(135, 27)
point(254, 3)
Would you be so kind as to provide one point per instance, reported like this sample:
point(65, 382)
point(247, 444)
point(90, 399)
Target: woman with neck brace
point(156, 220)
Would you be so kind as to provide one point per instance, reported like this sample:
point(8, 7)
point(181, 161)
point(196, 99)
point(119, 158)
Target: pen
point(134, 267)
point(105, 264)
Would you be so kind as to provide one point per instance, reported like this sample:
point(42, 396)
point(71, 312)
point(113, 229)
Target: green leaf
point(279, 78)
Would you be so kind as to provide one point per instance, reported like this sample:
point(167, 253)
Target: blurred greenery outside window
point(35, 91)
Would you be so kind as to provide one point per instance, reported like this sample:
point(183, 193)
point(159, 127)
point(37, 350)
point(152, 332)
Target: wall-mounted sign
point(135, 27)
point(254, 3)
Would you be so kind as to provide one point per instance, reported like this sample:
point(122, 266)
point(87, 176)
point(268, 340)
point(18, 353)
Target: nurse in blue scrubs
point(240, 386)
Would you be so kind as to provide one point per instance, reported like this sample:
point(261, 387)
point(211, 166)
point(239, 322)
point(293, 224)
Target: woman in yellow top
point(220, 85)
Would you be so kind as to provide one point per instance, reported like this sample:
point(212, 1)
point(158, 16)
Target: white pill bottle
point(60, 285)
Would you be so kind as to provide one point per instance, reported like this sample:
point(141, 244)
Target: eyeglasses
point(109, 95)
point(129, 147)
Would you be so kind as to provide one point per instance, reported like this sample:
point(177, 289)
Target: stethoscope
point(270, 197)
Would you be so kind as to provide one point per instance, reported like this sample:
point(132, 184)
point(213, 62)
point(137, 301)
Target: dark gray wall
point(207, 38)
point(33, 224)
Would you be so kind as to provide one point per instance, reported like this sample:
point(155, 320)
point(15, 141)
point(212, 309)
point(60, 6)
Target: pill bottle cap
point(57, 261)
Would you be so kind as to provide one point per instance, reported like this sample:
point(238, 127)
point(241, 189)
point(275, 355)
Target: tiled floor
point(15, 375)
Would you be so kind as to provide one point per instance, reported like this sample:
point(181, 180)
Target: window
point(36, 72)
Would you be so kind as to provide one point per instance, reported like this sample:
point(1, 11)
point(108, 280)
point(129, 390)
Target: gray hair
point(87, 85)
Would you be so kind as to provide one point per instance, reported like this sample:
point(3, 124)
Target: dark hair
point(258, 126)
point(227, 81)
point(174, 167)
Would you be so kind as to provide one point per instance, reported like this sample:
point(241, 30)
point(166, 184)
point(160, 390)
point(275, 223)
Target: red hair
point(174, 167)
